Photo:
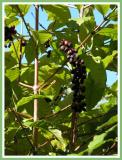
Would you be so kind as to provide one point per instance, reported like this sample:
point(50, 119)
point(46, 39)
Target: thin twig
point(25, 85)
point(24, 115)
point(17, 7)
point(55, 114)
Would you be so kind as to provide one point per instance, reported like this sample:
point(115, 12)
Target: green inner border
point(1, 83)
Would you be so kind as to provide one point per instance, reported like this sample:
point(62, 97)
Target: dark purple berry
point(23, 43)
point(12, 30)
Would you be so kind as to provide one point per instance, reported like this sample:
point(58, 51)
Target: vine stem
point(35, 113)
point(73, 131)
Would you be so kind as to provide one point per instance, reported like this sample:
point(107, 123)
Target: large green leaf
point(96, 81)
point(12, 74)
point(12, 21)
point(40, 124)
point(110, 32)
point(11, 10)
point(59, 13)
point(86, 25)
point(24, 8)
point(30, 50)
point(108, 59)
point(103, 9)
point(44, 36)
point(111, 121)
point(99, 140)
point(39, 38)
point(59, 142)
point(9, 60)
point(25, 100)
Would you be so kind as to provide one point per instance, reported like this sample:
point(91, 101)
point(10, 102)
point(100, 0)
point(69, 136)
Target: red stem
point(35, 114)
point(73, 131)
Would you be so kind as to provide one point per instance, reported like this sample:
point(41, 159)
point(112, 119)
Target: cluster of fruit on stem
point(79, 75)
point(10, 32)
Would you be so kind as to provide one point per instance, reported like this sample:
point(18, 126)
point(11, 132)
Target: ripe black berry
point(23, 43)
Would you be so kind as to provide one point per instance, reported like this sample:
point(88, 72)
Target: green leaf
point(96, 81)
point(113, 16)
point(99, 140)
point(103, 9)
point(40, 37)
point(25, 100)
point(12, 74)
point(114, 86)
point(9, 60)
point(12, 21)
point(10, 11)
point(110, 32)
point(30, 50)
point(86, 25)
point(58, 13)
point(111, 121)
point(59, 142)
point(40, 124)
point(108, 59)
point(44, 36)
point(24, 8)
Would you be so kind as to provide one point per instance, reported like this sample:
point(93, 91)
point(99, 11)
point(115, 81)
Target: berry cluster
point(79, 75)
point(9, 32)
